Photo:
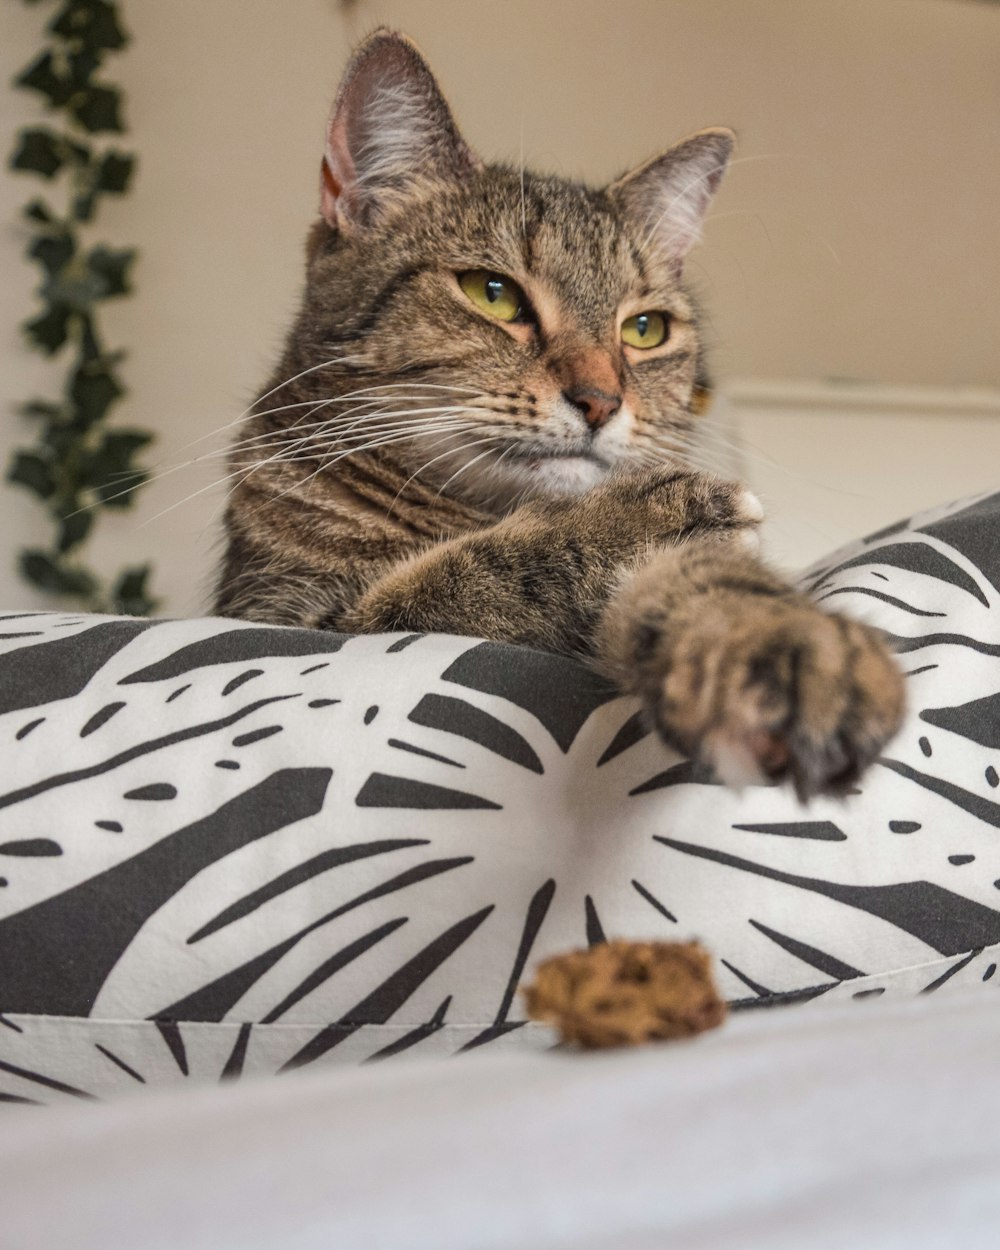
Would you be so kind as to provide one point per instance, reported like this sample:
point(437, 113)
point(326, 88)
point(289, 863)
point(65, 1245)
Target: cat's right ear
point(390, 132)
point(669, 196)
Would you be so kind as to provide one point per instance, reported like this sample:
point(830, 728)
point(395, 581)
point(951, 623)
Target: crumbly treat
point(626, 993)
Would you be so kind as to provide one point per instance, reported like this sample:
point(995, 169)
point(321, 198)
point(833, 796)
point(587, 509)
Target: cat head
point(500, 333)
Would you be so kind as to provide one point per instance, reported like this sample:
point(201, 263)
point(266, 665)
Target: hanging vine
point(78, 464)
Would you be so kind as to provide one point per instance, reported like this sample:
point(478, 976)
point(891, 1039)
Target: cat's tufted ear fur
point(390, 130)
point(669, 195)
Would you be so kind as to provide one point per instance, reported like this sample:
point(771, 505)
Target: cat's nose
point(598, 407)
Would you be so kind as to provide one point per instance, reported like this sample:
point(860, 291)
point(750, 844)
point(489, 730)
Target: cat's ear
point(390, 130)
point(669, 196)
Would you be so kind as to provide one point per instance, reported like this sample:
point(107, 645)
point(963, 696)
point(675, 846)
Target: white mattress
point(844, 1126)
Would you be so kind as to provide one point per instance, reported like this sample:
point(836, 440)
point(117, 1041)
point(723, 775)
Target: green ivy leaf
point(114, 172)
point(83, 64)
point(29, 469)
point(75, 287)
point(109, 470)
point(97, 109)
point(93, 389)
point(90, 343)
point(62, 442)
point(53, 251)
point(130, 594)
point(93, 22)
point(110, 268)
point(80, 153)
point(39, 568)
point(39, 152)
point(41, 408)
point(125, 443)
point(65, 460)
point(38, 210)
point(73, 529)
point(51, 330)
point(42, 76)
point(108, 175)
point(84, 205)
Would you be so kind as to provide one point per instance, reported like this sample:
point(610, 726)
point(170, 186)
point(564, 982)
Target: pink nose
point(597, 407)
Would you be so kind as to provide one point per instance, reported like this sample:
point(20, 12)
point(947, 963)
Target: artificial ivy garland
point(78, 465)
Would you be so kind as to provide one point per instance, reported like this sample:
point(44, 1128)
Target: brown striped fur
point(414, 463)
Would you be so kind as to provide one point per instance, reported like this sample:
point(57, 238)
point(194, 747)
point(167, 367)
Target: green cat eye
point(493, 293)
point(645, 330)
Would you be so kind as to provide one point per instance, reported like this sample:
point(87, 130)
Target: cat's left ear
point(669, 196)
point(390, 131)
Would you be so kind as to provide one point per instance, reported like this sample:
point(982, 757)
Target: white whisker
point(324, 364)
point(475, 460)
point(247, 471)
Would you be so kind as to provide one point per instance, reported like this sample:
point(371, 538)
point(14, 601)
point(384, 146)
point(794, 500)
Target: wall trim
point(821, 396)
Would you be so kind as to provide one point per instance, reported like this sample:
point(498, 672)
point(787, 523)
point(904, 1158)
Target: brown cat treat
point(626, 993)
point(485, 422)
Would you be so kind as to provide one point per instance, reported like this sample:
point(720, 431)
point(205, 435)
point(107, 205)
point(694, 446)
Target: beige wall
point(856, 237)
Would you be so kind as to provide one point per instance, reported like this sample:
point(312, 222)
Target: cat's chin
point(556, 475)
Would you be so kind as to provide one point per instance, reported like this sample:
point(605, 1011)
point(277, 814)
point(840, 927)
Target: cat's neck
point(375, 486)
point(288, 462)
point(363, 495)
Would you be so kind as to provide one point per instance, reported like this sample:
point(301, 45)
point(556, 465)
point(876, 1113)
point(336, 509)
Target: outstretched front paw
point(667, 505)
point(758, 683)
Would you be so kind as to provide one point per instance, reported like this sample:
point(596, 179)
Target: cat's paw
point(772, 690)
point(665, 505)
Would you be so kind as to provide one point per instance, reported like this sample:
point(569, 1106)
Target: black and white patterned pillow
point(228, 849)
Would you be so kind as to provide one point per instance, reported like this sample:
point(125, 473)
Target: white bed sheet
point(867, 1126)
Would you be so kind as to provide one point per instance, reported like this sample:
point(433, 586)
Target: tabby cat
point(479, 425)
